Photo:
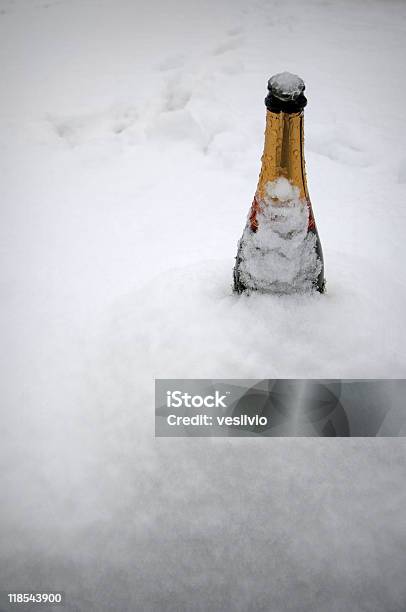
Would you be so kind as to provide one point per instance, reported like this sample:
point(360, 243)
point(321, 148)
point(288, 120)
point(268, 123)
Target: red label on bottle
point(312, 223)
point(255, 208)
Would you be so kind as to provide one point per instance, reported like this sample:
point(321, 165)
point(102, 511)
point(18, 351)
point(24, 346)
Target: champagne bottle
point(280, 250)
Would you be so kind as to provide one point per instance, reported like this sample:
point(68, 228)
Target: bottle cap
point(285, 93)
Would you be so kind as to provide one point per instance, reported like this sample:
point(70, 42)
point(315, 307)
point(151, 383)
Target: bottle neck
point(283, 152)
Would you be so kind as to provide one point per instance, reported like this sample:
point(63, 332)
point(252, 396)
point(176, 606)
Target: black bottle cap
point(285, 93)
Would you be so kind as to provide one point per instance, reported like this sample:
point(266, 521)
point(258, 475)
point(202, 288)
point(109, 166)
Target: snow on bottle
point(280, 250)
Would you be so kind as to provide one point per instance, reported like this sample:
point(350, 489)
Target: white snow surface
point(280, 256)
point(281, 189)
point(130, 144)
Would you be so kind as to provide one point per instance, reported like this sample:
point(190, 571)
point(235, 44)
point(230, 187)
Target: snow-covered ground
point(130, 142)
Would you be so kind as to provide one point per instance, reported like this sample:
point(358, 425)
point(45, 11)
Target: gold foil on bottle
point(283, 152)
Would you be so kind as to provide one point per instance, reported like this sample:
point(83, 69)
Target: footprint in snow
point(87, 128)
point(171, 63)
point(333, 144)
point(234, 42)
point(235, 31)
point(177, 94)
